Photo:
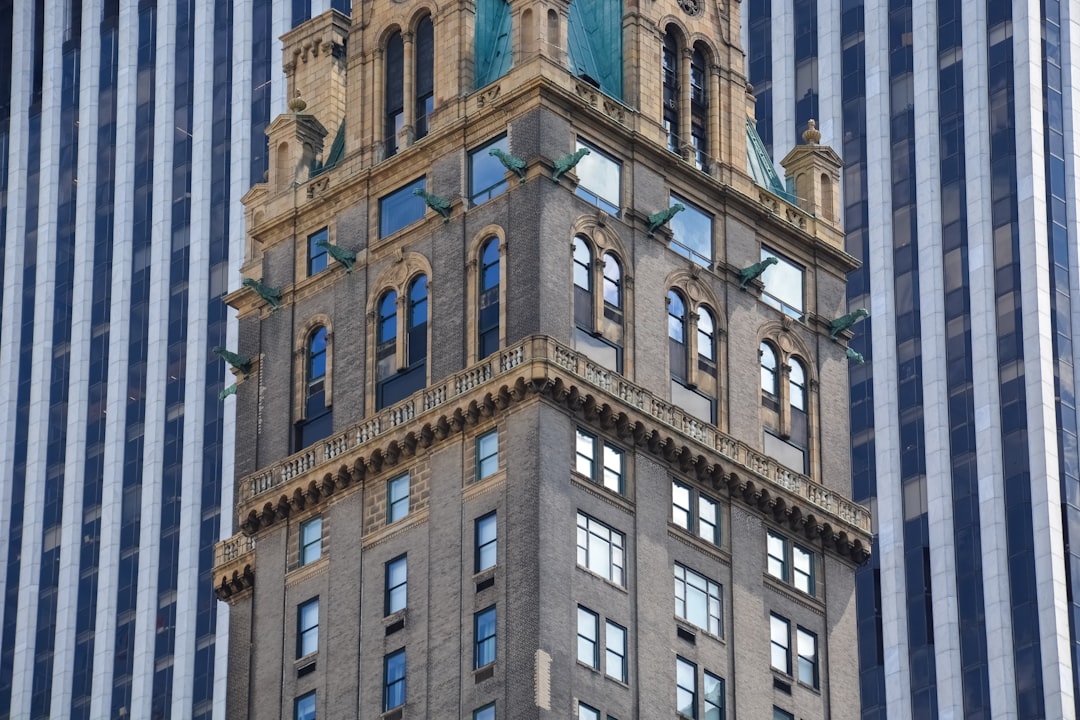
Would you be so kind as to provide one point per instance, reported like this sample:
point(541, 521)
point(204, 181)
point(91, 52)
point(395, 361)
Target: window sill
point(789, 590)
point(598, 576)
point(699, 543)
point(701, 632)
point(602, 491)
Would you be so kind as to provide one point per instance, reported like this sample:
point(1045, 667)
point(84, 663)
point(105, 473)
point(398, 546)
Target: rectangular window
point(588, 631)
point(397, 498)
point(714, 697)
point(401, 207)
point(487, 454)
point(485, 713)
point(681, 513)
point(307, 627)
point(599, 179)
point(779, 714)
point(783, 284)
point(777, 562)
point(487, 174)
point(691, 232)
point(806, 647)
point(585, 712)
point(611, 474)
point(708, 520)
point(685, 688)
point(394, 680)
point(600, 548)
point(802, 566)
point(484, 637)
point(615, 647)
point(397, 584)
point(780, 635)
point(311, 541)
point(697, 600)
point(317, 258)
point(486, 542)
point(305, 707)
point(789, 562)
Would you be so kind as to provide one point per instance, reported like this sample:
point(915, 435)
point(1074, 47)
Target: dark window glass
point(386, 349)
point(583, 300)
point(395, 96)
point(484, 637)
point(394, 680)
point(671, 91)
point(417, 322)
point(487, 175)
point(488, 316)
point(676, 308)
point(317, 258)
point(425, 75)
point(486, 542)
point(401, 207)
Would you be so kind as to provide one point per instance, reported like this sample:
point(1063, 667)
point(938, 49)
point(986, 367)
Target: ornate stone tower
point(533, 331)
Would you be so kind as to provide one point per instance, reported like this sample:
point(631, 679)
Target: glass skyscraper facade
point(957, 123)
point(128, 133)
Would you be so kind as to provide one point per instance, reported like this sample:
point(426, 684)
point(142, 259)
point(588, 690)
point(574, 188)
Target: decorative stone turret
point(296, 139)
point(816, 173)
point(314, 61)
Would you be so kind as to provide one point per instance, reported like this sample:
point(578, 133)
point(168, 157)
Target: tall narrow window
point(797, 398)
point(425, 75)
point(307, 628)
point(615, 651)
point(685, 688)
point(613, 289)
point(806, 646)
point(488, 316)
point(397, 585)
point(386, 349)
point(706, 341)
point(484, 637)
point(310, 541)
point(583, 299)
point(699, 110)
point(317, 258)
point(671, 91)
point(305, 707)
point(780, 634)
point(397, 498)
point(417, 323)
point(394, 680)
point(588, 637)
point(487, 454)
point(676, 308)
point(714, 697)
point(770, 386)
point(394, 383)
point(318, 421)
point(486, 542)
point(395, 93)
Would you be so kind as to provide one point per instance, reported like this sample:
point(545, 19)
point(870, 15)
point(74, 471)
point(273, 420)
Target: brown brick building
point(506, 366)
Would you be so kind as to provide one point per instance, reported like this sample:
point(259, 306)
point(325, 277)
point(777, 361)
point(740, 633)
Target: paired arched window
point(686, 114)
point(693, 354)
point(412, 56)
point(487, 331)
point(598, 317)
point(785, 406)
point(316, 422)
point(401, 343)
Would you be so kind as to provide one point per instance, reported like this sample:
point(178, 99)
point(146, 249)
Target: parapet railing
point(543, 349)
point(232, 549)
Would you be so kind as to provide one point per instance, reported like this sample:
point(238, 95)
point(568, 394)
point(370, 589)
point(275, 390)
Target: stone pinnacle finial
point(297, 104)
point(811, 135)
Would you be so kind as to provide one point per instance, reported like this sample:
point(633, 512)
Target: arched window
point(770, 387)
point(706, 341)
point(417, 322)
point(676, 309)
point(785, 407)
point(598, 320)
point(613, 290)
point(699, 109)
point(317, 421)
point(395, 93)
point(401, 361)
point(488, 315)
point(425, 75)
point(583, 299)
point(797, 399)
point(671, 90)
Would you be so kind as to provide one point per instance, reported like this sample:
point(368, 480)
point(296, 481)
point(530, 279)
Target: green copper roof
point(760, 165)
point(493, 56)
point(595, 39)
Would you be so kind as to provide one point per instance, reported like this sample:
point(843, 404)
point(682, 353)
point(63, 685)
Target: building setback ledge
point(540, 366)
